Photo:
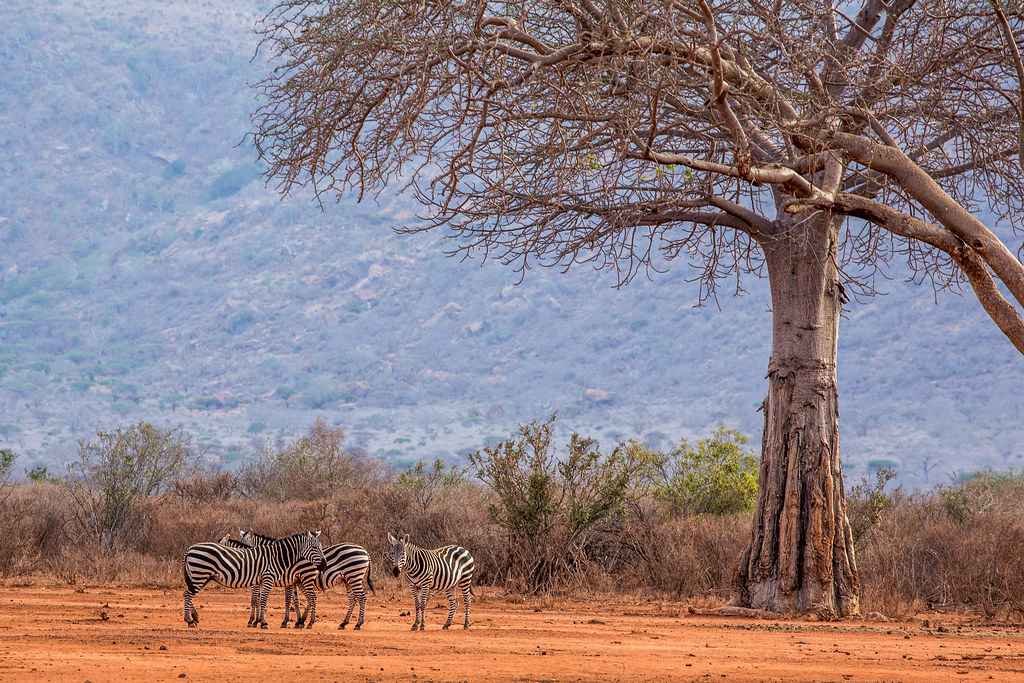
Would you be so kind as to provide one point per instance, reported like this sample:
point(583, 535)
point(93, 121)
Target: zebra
point(250, 540)
point(244, 567)
point(347, 564)
point(448, 568)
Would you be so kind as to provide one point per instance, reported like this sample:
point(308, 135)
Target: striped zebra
point(448, 568)
point(245, 567)
point(250, 540)
point(346, 564)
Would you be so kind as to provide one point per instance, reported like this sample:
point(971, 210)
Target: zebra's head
point(398, 554)
point(310, 549)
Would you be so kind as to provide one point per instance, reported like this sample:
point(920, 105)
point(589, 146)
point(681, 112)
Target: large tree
point(737, 135)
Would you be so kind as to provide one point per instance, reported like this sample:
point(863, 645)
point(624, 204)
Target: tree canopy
point(555, 132)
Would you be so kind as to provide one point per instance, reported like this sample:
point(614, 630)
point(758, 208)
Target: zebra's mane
point(263, 537)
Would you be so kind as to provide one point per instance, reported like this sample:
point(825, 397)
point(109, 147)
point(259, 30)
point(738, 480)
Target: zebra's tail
point(369, 581)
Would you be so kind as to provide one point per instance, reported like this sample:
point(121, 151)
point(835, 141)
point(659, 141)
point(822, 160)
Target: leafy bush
point(7, 458)
point(424, 487)
point(113, 476)
point(42, 475)
point(719, 477)
point(556, 512)
point(868, 502)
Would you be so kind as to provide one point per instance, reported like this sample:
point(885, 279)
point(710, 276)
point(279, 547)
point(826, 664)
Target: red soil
point(139, 634)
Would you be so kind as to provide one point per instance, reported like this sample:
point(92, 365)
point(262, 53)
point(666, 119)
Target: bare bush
point(681, 556)
point(313, 466)
point(203, 488)
point(33, 517)
point(955, 547)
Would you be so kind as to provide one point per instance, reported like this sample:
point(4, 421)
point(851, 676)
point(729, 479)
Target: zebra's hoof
point(356, 627)
point(192, 625)
point(342, 626)
point(445, 627)
point(264, 625)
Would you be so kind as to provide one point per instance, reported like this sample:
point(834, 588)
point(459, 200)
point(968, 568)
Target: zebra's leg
point(191, 615)
point(466, 598)
point(361, 597)
point(351, 606)
point(450, 592)
point(253, 601)
point(310, 612)
point(266, 585)
point(288, 606)
point(421, 607)
point(191, 589)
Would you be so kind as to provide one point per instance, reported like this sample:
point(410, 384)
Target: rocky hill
point(146, 272)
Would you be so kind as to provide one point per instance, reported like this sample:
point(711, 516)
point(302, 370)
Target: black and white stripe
point(448, 568)
point(251, 539)
point(345, 564)
point(261, 566)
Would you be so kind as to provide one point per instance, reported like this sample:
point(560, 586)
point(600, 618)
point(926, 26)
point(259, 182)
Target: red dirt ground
point(138, 634)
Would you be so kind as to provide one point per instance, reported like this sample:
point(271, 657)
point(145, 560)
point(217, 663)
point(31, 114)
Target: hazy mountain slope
point(146, 274)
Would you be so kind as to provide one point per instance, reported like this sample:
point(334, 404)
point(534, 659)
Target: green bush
point(117, 473)
point(868, 502)
point(556, 513)
point(426, 486)
point(42, 475)
point(7, 458)
point(719, 477)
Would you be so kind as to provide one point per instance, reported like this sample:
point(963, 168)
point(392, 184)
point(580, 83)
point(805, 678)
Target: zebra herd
point(299, 562)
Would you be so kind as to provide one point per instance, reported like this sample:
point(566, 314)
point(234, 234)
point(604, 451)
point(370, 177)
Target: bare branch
point(1011, 44)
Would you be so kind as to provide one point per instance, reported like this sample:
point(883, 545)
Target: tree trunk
point(800, 557)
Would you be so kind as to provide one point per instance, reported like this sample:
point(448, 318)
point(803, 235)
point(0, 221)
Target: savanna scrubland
point(543, 520)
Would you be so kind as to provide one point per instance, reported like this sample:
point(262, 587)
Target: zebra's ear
point(391, 539)
point(316, 534)
point(406, 539)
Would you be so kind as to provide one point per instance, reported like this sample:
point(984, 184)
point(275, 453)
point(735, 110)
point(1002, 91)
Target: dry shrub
point(683, 556)
point(204, 488)
point(33, 517)
point(313, 466)
point(956, 547)
point(458, 518)
point(169, 525)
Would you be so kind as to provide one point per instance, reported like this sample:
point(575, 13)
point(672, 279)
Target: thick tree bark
point(800, 558)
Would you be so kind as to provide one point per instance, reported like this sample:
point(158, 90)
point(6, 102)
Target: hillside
point(147, 273)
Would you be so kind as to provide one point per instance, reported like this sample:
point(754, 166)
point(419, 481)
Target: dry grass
point(955, 548)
